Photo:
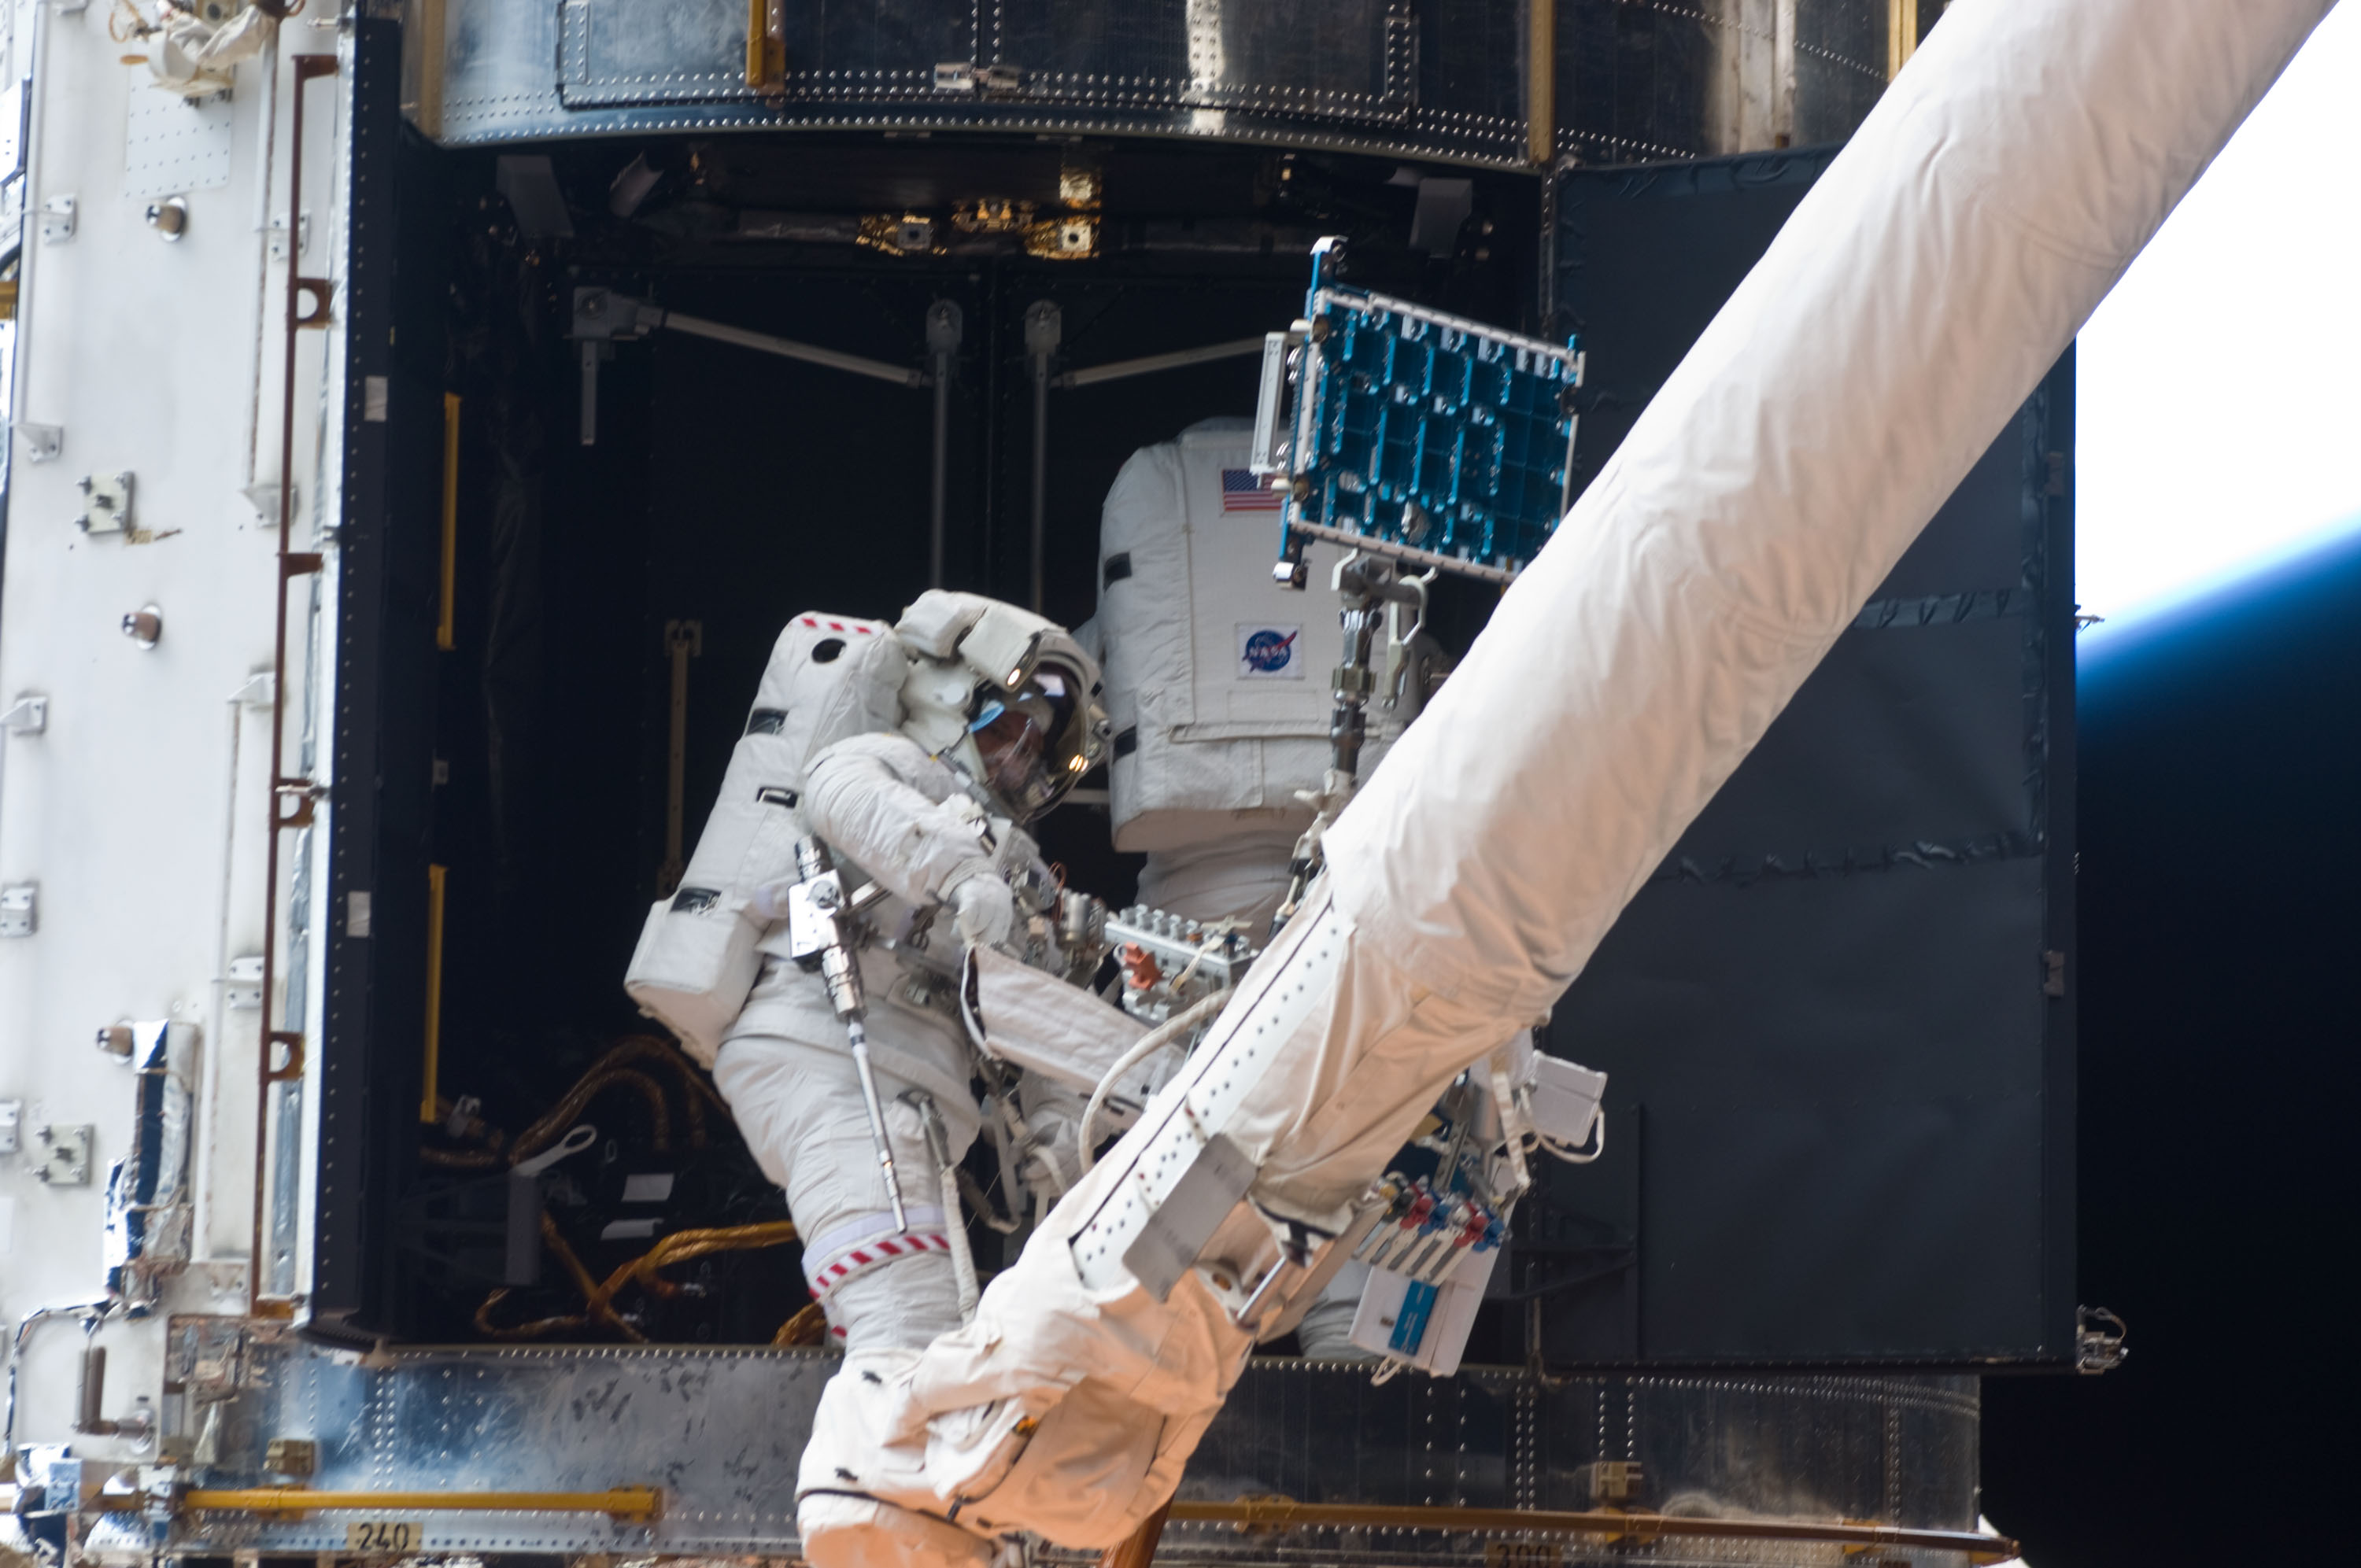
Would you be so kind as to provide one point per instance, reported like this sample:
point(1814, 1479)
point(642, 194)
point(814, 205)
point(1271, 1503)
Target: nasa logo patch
point(1268, 653)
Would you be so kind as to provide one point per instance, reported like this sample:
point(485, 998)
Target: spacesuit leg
point(1053, 1114)
point(800, 1108)
point(787, 1073)
point(1326, 1332)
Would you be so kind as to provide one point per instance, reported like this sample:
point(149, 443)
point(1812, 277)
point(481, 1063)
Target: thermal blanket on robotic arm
point(1070, 1403)
point(1926, 283)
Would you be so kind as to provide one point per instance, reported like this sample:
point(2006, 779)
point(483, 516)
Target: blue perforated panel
point(1439, 437)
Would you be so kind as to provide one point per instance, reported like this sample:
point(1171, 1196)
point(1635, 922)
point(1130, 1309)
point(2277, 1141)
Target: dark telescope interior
point(726, 489)
point(1841, 1056)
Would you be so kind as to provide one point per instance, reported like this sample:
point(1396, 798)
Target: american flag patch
point(1241, 492)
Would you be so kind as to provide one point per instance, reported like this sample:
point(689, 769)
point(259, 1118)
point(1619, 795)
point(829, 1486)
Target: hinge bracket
point(2098, 1341)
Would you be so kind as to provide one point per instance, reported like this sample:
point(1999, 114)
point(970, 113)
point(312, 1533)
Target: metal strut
point(291, 799)
point(1367, 586)
point(603, 318)
point(1044, 328)
point(944, 328)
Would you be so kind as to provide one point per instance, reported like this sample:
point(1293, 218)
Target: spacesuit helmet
point(1033, 744)
point(1005, 695)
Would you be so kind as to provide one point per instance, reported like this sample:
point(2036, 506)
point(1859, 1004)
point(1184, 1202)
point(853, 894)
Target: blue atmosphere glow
point(2218, 401)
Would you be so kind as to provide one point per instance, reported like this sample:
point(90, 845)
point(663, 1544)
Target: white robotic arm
point(1934, 274)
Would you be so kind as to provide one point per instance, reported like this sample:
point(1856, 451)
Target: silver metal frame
point(722, 1431)
point(1445, 80)
point(1294, 369)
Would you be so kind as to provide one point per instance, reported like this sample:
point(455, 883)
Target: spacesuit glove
point(983, 910)
point(769, 901)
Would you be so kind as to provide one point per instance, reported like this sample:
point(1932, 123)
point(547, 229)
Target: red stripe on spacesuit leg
point(876, 1255)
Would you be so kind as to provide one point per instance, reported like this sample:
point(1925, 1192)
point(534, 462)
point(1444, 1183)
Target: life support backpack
point(829, 678)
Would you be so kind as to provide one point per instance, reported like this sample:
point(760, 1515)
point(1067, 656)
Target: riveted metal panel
point(722, 1433)
point(1634, 79)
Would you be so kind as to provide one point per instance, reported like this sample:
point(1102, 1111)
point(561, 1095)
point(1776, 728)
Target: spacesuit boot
point(838, 1523)
point(1326, 1332)
point(195, 51)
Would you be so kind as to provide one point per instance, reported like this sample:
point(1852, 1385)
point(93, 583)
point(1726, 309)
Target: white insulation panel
point(172, 146)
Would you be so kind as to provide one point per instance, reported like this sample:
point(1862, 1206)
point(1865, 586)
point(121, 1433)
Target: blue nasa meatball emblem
point(1269, 651)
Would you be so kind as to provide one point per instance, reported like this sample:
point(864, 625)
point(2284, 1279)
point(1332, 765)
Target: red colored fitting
point(1140, 969)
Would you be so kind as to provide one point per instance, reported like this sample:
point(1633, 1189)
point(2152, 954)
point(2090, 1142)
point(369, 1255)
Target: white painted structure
point(137, 807)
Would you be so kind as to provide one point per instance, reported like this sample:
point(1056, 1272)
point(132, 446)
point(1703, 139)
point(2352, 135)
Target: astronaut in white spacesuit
point(193, 47)
point(914, 754)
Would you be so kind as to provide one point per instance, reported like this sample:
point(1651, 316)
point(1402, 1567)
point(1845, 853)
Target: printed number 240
point(383, 1535)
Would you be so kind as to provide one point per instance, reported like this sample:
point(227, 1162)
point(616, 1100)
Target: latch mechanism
point(966, 76)
point(2098, 1341)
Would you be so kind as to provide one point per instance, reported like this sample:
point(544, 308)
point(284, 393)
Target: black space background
point(2220, 777)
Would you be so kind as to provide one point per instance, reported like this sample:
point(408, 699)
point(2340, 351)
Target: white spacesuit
point(913, 754)
point(194, 46)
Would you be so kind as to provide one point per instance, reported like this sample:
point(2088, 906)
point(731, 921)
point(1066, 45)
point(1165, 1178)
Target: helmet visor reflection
point(1033, 745)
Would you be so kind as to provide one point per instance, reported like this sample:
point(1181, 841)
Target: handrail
point(637, 1504)
point(431, 1086)
point(447, 635)
point(291, 799)
point(1540, 86)
point(1280, 1514)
